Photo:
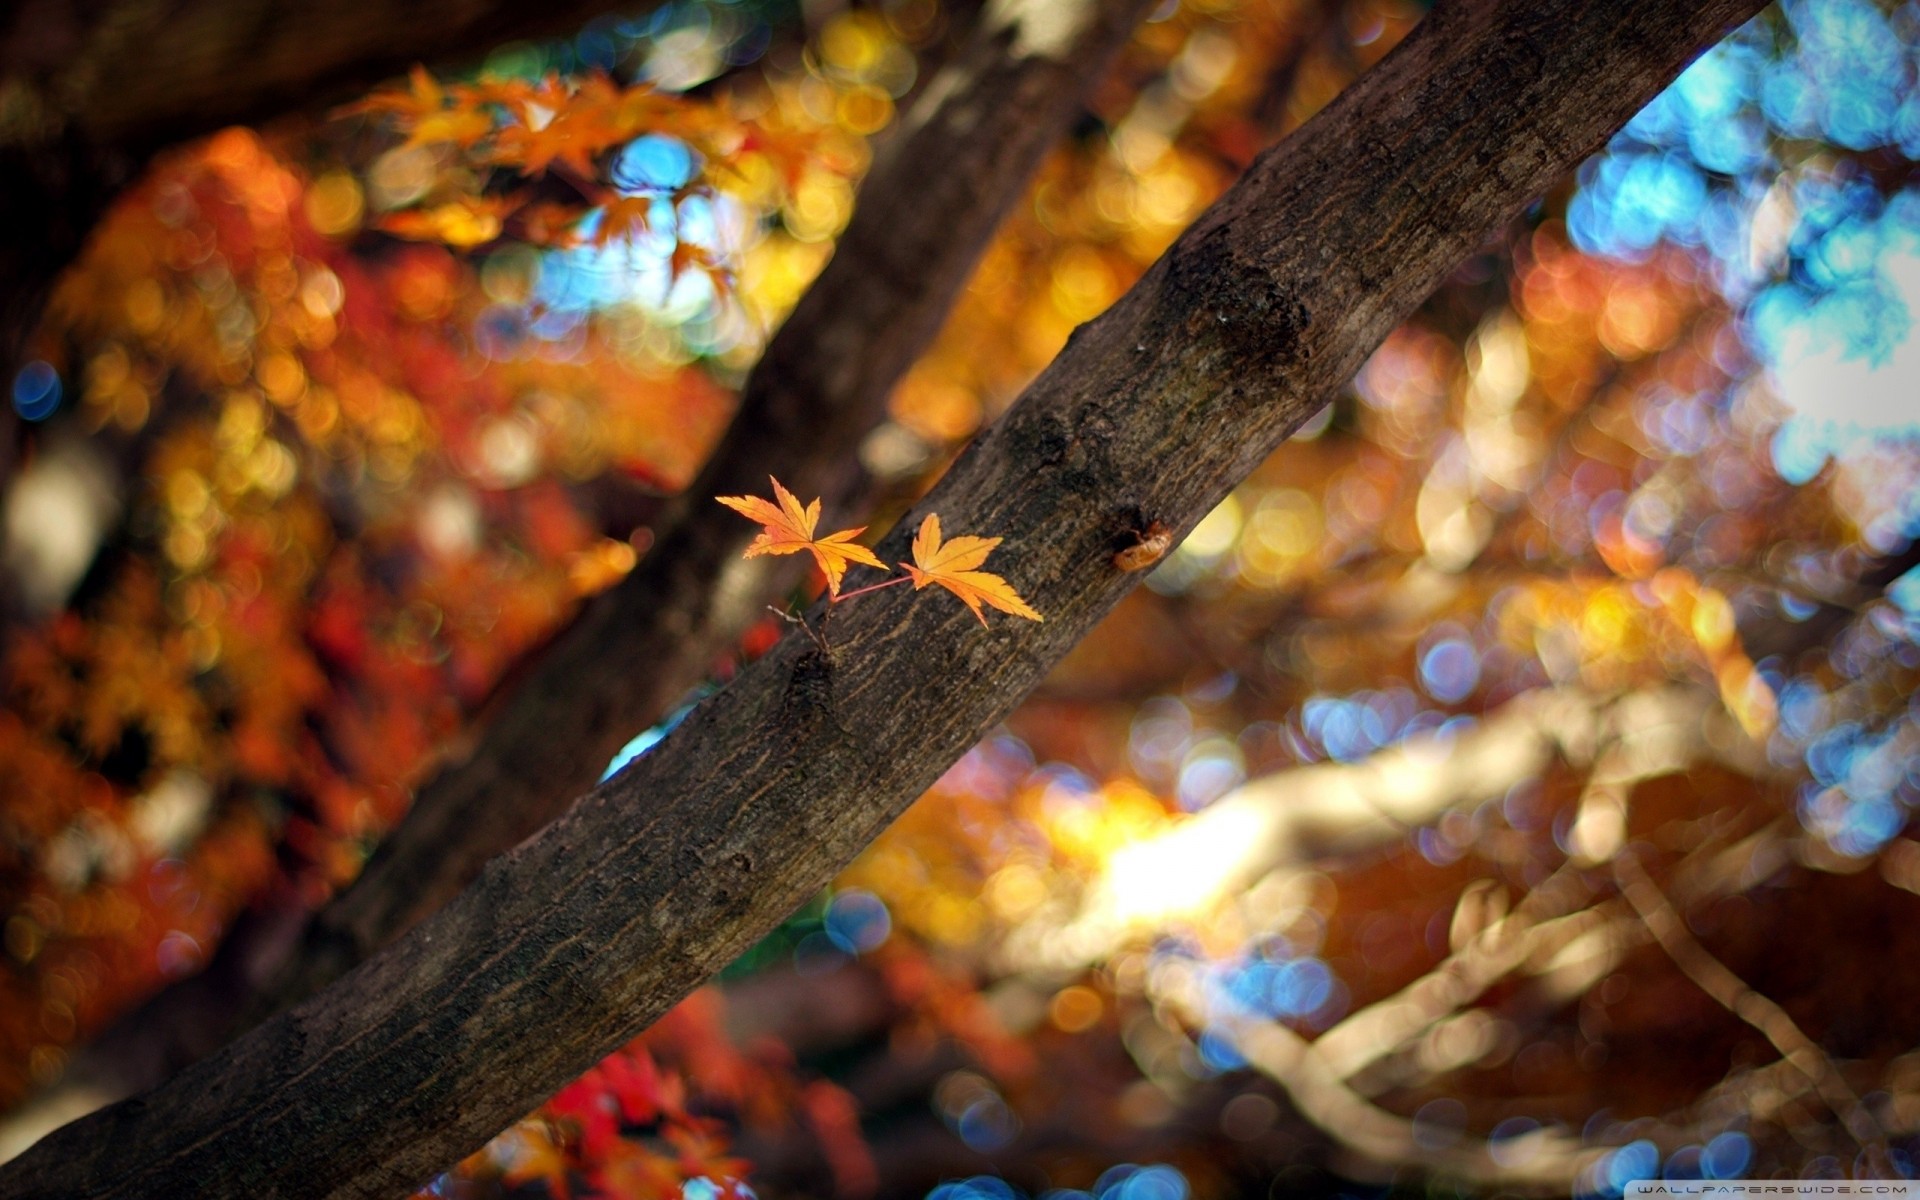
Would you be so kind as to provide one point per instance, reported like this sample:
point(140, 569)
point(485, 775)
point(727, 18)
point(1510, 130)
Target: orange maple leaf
point(429, 113)
point(689, 256)
point(789, 530)
point(951, 565)
point(568, 125)
point(622, 216)
point(422, 96)
point(549, 223)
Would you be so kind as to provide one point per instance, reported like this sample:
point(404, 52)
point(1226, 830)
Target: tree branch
point(1731, 992)
point(570, 944)
point(925, 214)
point(1285, 821)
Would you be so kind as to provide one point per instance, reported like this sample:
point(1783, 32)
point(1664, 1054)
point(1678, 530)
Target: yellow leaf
point(464, 222)
point(951, 565)
point(789, 530)
point(463, 127)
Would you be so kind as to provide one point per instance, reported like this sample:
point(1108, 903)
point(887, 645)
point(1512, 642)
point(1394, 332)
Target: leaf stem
point(872, 587)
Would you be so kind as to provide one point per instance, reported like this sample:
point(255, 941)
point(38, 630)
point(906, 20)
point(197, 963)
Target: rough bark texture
point(925, 214)
point(567, 946)
point(923, 218)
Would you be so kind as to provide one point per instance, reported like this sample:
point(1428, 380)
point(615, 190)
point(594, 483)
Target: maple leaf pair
point(952, 564)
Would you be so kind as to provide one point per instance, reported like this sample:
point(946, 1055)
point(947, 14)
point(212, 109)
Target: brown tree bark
point(925, 214)
point(566, 947)
point(922, 219)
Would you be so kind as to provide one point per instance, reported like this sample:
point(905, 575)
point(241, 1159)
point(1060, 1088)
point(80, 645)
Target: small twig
point(801, 621)
point(1548, 1160)
point(1732, 993)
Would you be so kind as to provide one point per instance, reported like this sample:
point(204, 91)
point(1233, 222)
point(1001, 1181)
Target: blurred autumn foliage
point(1507, 786)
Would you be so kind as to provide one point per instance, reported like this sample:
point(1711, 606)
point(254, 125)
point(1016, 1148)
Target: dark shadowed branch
point(963, 156)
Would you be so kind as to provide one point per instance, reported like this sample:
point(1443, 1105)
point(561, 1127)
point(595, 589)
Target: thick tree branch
point(925, 214)
point(570, 944)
